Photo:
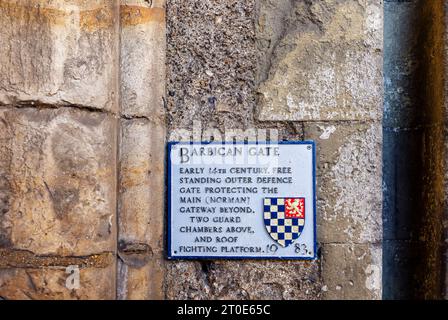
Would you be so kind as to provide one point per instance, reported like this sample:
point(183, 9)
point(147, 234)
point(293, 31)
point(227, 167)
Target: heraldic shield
point(284, 219)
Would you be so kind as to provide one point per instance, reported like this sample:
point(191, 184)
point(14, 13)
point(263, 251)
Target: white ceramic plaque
point(241, 200)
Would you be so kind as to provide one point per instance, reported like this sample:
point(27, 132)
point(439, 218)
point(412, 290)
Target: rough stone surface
point(352, 271)
point(349, 220)
point(322, 60)
point(210, 62)
point(59, 52)
point(58, 145)
point(57, 181)
point(220, 57)
point(50, 284)
point(244, 280)
point(348, 180)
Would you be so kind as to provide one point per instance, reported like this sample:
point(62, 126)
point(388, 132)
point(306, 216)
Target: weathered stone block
point(141, 283)
point(58, 181)
point(254, 280)
point(352, 271)
point(349, 166)
point(135, 176)
point(59, 52)
point(142, 58)
point(141, 208)
point(141, 166)
point(51, 284)
point(323, 60)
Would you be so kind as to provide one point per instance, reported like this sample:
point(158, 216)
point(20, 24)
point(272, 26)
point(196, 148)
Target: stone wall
point(90, 91)
point(59, 90)
point(311, 70)
point(82, 148)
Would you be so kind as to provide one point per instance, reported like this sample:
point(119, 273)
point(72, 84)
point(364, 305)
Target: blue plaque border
point(169, 255)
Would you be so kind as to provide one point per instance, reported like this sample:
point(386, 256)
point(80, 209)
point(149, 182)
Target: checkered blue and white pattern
point(282, 229)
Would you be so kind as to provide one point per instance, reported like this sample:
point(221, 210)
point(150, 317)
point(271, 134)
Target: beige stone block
point(349, 170)
point(141, 209)
point(142, 149)
point(140, 282)
point(141, 180)
point(58, 181)
point(325, 65)
point(55, 284)
point(142, 58)
point(132, 283)
point(351, 271)
point(135, 178)
point(55, 52)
